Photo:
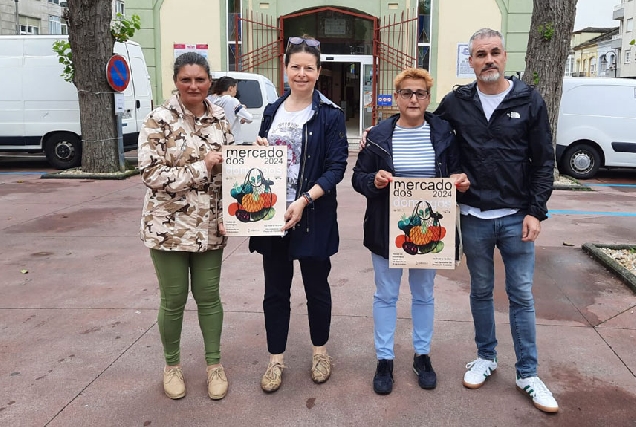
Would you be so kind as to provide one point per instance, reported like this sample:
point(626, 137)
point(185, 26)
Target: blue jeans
point(480, 236)
point(387, 288)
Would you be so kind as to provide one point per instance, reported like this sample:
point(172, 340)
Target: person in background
point(413, 144)
point(506, 149)
point(182, 223)
point(313, 129)
point(224, 95)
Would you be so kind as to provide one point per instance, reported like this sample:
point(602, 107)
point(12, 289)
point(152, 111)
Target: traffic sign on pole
point(118, 73)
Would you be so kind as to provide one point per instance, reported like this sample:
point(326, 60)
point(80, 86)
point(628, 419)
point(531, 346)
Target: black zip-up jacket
point(377, 155)
point(509, 159)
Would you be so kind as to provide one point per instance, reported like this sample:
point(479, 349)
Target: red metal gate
point(260, 41)
point(394, 49)
point(261, 37)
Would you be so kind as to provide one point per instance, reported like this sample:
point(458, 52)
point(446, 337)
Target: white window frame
point(430, 34)
point(29, 25)
point(55, 24)
point(628, 54)
point(228, 17)
point(119, 6)
point(629, 25)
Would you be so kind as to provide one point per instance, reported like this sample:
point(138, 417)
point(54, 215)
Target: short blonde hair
point(414, 73)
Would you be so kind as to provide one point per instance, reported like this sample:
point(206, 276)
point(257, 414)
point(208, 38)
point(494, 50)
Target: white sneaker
point(541, 396)
point(478, 371)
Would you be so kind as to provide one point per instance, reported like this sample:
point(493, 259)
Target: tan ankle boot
point(217, 383)
point(173, 382)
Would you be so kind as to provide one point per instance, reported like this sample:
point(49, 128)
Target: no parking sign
point(118, 73)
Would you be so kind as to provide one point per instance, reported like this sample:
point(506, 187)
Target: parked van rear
point(255, 92)
point(597, 125)
point(39, 110)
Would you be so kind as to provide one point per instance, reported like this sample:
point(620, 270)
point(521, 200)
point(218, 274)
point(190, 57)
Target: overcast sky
point(595, 13)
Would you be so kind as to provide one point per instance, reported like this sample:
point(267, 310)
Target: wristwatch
point(307, 196)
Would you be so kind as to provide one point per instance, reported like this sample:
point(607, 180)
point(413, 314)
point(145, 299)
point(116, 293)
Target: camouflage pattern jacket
point(182, 207)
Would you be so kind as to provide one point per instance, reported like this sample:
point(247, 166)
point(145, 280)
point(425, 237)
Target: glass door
point(357, 99)
point(366, 81)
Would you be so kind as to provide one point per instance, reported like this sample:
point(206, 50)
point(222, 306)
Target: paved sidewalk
point(80, 345)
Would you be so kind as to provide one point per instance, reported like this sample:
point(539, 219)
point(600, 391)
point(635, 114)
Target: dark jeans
point(279, 271)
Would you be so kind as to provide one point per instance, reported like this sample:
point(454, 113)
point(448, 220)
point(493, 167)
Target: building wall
point(604, 48)
point(38, 9)
point(628, 70)
point(7, 17)
point(148, 37)
point(453, 22)
point(584, 57)
point(200, 29)
point(463, 26)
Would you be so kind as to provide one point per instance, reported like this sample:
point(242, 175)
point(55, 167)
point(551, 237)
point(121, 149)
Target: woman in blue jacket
point(314, 131)
point(412, 144)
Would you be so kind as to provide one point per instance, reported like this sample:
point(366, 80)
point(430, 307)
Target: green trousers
point(177, 272)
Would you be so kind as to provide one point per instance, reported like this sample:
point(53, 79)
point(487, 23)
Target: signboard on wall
point(181, 48)
point(463, 68)
point(335, 27)
point(385, 100)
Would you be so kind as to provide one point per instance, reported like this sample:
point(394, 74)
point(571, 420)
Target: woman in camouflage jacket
point(180, 162)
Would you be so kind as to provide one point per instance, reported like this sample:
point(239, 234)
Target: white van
point(597, 125)
point(39, 110)
point(255, 92)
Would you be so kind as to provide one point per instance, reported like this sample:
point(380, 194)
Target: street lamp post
point(17, 19)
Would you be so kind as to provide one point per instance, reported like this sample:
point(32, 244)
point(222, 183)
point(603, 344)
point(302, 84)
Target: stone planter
point(594, 249)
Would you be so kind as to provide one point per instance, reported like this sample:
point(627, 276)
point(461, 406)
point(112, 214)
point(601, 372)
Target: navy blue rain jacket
point(323, 161)
point(378, 154)
point(509, 159)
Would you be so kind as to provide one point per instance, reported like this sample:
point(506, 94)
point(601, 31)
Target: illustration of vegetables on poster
point(422, 223)
point(254, 188)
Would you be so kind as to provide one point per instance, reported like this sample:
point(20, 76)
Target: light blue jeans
point(480, 236)
point(387, 288)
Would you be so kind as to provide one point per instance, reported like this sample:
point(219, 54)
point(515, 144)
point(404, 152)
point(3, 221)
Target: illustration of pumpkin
point(422, 231)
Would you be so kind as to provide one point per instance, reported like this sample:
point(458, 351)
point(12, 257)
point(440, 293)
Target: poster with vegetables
point(254, 188)
point(422, 223)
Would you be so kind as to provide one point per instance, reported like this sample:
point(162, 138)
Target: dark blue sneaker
point(426, 376)
point(383, 379)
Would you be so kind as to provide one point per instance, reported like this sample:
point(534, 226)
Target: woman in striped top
point(412, 144)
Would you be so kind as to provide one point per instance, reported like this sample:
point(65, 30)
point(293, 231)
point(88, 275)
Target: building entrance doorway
point(347, 81)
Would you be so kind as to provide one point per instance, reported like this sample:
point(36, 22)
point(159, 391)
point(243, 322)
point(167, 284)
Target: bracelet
point(308, 197)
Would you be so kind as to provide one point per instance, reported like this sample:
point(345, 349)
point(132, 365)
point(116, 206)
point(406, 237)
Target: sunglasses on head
point(300, 40)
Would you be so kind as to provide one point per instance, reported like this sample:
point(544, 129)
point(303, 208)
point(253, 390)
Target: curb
point(573, 185)
point(624, 274)
point(103, 176)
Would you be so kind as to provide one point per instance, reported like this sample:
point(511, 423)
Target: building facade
point(38, 16)
point(623, 43)
point(591, 54)
point(363, 44)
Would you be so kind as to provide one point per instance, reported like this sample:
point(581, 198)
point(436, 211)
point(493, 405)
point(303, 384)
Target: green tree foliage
point(122, 30)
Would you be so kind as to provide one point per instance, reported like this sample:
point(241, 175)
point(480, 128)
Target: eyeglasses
point(300, 40)
point(408, 93)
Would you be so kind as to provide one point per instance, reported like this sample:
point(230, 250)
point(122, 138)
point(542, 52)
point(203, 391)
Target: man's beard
point(490, 77)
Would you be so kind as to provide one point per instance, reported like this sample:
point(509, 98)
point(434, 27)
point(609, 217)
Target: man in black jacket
point(506, 150)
